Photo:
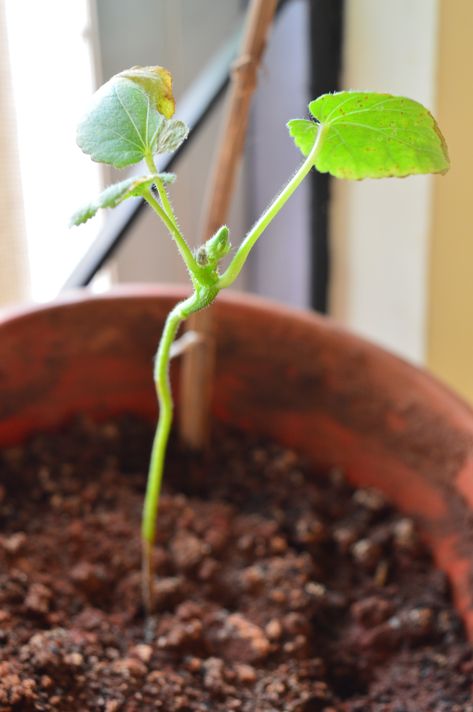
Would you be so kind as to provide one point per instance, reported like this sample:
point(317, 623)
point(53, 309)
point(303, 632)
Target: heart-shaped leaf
point(117, 193)
point(370, 135)
point(129, 119)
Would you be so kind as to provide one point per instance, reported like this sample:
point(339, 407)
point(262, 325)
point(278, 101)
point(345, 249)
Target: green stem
point(235, 266)
point(165, 202)
point(180, 313)
point(183, 247)
point(163, 390)
point(163, 196)
point(166, 213)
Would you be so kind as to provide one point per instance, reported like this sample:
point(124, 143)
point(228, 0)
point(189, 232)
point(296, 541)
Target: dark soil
point(275, 591)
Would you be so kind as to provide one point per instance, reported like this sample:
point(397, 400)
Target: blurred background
point(391, 260)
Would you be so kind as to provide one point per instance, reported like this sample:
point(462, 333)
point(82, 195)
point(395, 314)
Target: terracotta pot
point(290, 375)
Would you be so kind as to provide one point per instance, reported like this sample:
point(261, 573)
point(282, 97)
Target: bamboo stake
point(198, 362)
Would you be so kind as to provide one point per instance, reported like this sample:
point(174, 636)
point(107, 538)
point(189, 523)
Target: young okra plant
point(352, 135)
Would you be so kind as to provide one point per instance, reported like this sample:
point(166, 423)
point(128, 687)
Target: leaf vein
point(370, 109)
point(419, 149)
point(125, 138)
point(336, 108)
point(143, 145)
point(345, 144)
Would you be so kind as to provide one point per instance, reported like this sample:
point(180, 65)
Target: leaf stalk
point(240, 257)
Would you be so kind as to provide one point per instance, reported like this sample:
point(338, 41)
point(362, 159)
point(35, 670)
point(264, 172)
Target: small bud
point(201, 256)
point(219, 245)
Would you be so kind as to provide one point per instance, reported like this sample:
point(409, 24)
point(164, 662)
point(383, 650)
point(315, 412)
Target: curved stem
point(163, 390)
point(181, 311)
point(235, 266)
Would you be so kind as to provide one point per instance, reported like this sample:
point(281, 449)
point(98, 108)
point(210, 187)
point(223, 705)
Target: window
point(52, 68)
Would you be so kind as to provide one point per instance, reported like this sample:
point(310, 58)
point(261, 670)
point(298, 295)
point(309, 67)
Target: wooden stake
point(198, 362)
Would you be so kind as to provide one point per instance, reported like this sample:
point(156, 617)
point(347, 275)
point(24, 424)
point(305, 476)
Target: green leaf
point(119, 127)
point(304, 133)
point(370, 135)
point(129, 119)
point(117, 193)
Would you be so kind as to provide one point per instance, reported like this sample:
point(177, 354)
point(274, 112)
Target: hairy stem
point(235, 266)
point(162, 192)
point(166, 213)
point(182, 246)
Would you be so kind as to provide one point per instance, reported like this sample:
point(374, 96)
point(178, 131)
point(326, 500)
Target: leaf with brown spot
point(129, 118)
point(371, 135)
point(157, 84)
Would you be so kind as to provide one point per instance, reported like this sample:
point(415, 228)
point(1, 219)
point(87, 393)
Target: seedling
point(352, 135)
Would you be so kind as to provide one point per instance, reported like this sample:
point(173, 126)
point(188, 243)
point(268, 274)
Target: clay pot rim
point(325, 324)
